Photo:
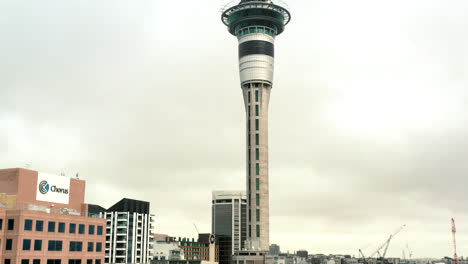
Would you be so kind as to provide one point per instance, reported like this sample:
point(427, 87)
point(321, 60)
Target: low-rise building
point(44, 220)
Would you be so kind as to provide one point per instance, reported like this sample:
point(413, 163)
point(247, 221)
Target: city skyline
point(373, 114)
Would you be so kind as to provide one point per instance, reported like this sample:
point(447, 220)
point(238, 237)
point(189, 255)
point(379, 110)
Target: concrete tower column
point(256, 24)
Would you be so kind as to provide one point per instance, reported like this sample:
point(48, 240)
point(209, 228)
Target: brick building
point(44, 220)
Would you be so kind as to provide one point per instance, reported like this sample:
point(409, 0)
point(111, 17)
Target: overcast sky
point(368, 114)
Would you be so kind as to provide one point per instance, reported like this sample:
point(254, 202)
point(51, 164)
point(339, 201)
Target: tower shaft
point(256, 23)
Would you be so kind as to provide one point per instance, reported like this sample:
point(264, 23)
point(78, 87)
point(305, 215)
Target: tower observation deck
point(256, 23)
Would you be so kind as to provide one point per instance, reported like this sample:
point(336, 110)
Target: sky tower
point(256, 23)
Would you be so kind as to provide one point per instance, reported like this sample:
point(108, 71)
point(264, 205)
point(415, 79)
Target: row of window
point(54, 245)
point(55, 261)
point(257, 230)
point(51, 227)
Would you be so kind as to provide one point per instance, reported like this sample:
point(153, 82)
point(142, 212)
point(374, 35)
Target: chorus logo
point(44, 188)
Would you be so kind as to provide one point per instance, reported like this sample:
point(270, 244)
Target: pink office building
point(44, 220)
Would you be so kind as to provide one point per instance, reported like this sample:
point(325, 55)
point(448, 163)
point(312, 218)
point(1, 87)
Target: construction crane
point(196, 228)
point(454, 230)
point(410, 253)
point(387, 243)
point(362, 254)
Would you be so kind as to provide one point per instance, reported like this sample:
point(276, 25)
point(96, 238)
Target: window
point(98, 261)
point(9, 244)
point(76, 246)
point(257, 169)
point(257, 139)
point(1, 223)
point(51, 227)
point(99, 230)
point(258, 199)
point(257, 154)
point(39, 225)
point(7, 261)
point(36, 261)
point(90, 246)
point(11, 224)
point(25, 261)
point(74, 261)
point(258, 215)
point(98, 246)
point(256, 124)
point(256, 94)
point(37, 245)
point(26, 244)
point(248, 125)
point(256, 110)
point(248, 97)
point(257, 184)
point(28, 224)
point(54, 261)
point(248, 140)
point(258, 230)
point(250, 230)
point(91, 230)
point(89, 261)
point(61, 227)
point(72, 228)
point(55, 245)
point(81, 229)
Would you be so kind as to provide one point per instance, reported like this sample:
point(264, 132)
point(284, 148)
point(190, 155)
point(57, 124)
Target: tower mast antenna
point(454, 230)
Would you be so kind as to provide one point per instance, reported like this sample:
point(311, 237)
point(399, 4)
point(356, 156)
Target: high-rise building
point(229, 209)
point(256, 23)
point(44, 220)
point(129, 231)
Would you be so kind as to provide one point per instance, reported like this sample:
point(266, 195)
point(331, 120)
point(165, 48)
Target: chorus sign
point(52, 188)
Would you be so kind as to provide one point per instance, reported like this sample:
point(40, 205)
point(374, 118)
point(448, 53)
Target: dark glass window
point(72, 228)
point(258, 215)
point(54, 261)
point(256, 96)
point(257, 169)
point(248, 97)
point(11, 224)
point(9, 244)
point(74, 261)
point(248, 125)
point(257, 139)
point(90, 246)
point(61, 227)
point(91, 229)
point(55, 245)
point(89, 261)
point(98, 261)
point(257, 184)
point(36, 261)
point(28, 224)
point(98, 246)
point(256, 124)
point(1, 223)
point(25, 261)
point(76, 246)
point(99, 230)
point(37, 245)
point(257, 154)
point(39, 225)
point(258, 199)
point(7, 261)
point(81, 229)
point(26, 244)
point(256, 110)
point(51, 227)
point(250, 230)
point(249, 109)
point(258, 230)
